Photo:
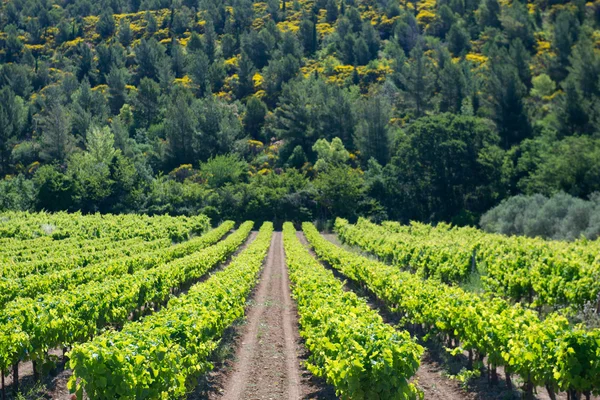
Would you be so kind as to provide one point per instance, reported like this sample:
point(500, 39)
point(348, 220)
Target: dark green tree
point(106, 24)
point(373, 136)
point(254, 119)
point(245, 85)
point(117, 95)
point(57, 141)
point(146, 103)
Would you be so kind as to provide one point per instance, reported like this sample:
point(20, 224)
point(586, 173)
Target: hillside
point(425, 110)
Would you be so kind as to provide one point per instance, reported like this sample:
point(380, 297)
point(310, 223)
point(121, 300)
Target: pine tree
point(254, 118)
point(246, 71)
point(489, 14)
point(418, 80)
point(106, 24)
point(57, 141)
point(332, 11)
point(372, 136)
point(125, 34)
point(146, 103)
point(117, 79)
point(209, 41)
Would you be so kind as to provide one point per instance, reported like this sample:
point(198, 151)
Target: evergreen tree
point(210, 39)
point(489, 14)
point(117, 80)
point(151, 24)
point(146, 103)
point(417, 79)
point(246, 70)
point(505, 93)
point(572, 115)
point(458, 39)
point(125, 34)
point(57, 141)
point(178, 59)
point(180, 128)
point(254, 118)
point(332, 11)
point(307, 35)
point(148, 55)
point(199, 70)
point(106, 24)
point(452, 88)
point(566, 32)
point(372, 137)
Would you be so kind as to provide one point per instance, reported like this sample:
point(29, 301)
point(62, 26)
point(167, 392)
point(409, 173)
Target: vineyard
point(138, 307)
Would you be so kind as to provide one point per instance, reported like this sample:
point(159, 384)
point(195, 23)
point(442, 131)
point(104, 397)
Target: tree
point(180, 128)
point(221, 170)
point(146, 103)
point(148, 55)
point(372, 137)
point(199, 70)
point(178, 60)
point(330, 155)
point(489, 13)
point(151, 24)
point(571, 165)
point(117, 79)
point(219, 127)
point(87, 64)
point(505, 93)
point(254, 118)
point(100, 144)
point(246, 70)
point(308, 35)
point(125, 34)
point(418, 79)
point(11, 121)
point(209, 42)
point(458, 39)
point(332, 11)
point(106, 24)
point(453, 88)
point(57, 141)
point(407, 32)
point(339, 191)
point(565, 34)
point(444, 164)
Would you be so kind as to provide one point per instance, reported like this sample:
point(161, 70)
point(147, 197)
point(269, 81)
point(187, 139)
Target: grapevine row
point(116, 249)
point(24, 225)
point(157, 356)
point(30, 327)
point(522, 269)
point(350, 345)
point(547, 352)
point(35, 285)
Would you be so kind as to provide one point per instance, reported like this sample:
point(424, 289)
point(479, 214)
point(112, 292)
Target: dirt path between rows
point(269, 351)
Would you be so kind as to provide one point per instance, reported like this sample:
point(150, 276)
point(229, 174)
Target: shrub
point(560, 217)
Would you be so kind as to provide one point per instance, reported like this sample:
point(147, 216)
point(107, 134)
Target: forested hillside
point(427, 110)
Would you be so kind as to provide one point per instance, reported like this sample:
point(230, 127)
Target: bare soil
point(269, 353)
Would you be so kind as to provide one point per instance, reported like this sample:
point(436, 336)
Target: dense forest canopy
point(411, 110)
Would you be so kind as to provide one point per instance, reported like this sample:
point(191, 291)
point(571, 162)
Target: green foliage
point(349, 344)
point(560, 217)
point(221, 170)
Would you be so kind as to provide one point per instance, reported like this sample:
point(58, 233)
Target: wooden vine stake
point(16, 378)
